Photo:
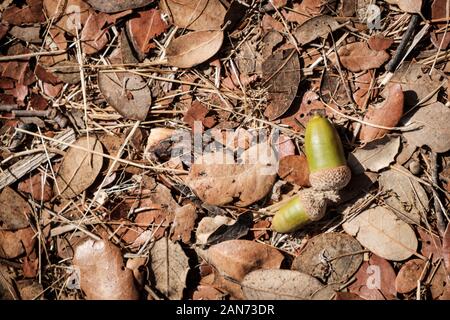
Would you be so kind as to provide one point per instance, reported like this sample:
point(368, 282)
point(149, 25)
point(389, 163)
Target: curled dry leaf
point(280, 285)
point(169, 267)
point(358, 56)
point(294, 169)
point(378, 42)
point(39, 189)
point(16, 243)
point(79, 168)
point(317, 27)
point(208, 225)
point(127, 93)
point(411, 199)
point(142, 29)
point(375, 280)
point(198, 15)
point(408, 275)
point(14, 211)
point(411, 6)
point(281, 72)
point(435, 131)
point(103, 275)
point(387, 115)
point(342, 254)
point(375, 155)
point(183, 223)
point(227, 231)
point(380, 231)
point(218, 182)
point(193, 48)
point(236, 258)
point(110, 6)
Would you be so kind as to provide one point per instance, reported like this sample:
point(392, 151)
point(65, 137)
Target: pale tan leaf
point(435, 131)
point(193, 48)
point(169, 266)
point(236, 258)
point(279, 284)
point(375, 155)
point(380, 231)
point(198, 15)
point(79, 168)
point(218, 180)
point(103, 275)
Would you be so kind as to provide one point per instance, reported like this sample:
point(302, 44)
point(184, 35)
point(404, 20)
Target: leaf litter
point(115, 114)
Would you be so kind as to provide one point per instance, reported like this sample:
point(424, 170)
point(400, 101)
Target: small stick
point(30, 55)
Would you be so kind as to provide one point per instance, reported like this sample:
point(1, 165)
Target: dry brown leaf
point(169, 266)
point(430, 244)
point(127, 93)
point(269, 23)
point(30, 13)
point(79, 169)
point(342, 255)
point(281, 72)
point(14, 211)
point(69, 15)
point(347, 296)
point(439, 10)
point(197, 113)
point(193, 48)
point(387, 114)
point(411, 200)
point(28, 34)
point(30, 267)
point(279, 284)
point(435, 131)
point(411, 6)
point(142, 29)
point(408, 275)
point(362, 87)
point(284, 146)
point(375, 155)
point(304, 10)
point(317, 27)
point(103, 275)
point(220, 183)
point(378, 42)
point(30, 290)
point(294, 169)
point(236, 258)
point(379, 230)
point(38, 189)
point(375, 280)
point(198, 15)
point(204, 292)
point(183, 223)
point(15, 243)
point(358, 56)
point(110, 6)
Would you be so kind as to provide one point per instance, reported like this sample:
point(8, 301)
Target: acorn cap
point(330, 179)
point(307, 206)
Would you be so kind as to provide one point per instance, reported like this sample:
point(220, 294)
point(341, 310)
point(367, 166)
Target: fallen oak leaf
point(317, 27)
point(379, 230)
point(408, 275)
point(16, 243)
point(111, 6)
point(387, 114)
point(39, 189)
point(197, 15)
point(358, 56)
point(236, 258)
point(143, 28)
point(193, 48)
point(169, 266)
point(183, 223)
point(15, 211)
point(103, 275)
point(294, 169)
point(378, 42)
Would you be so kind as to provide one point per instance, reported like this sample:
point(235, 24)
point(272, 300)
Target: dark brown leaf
point(281, 72)
point(110, 6)
point(294, 169)
point(39, 189)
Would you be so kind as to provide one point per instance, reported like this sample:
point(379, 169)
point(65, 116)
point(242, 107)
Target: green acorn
point(305, 207)
point(325, 155)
